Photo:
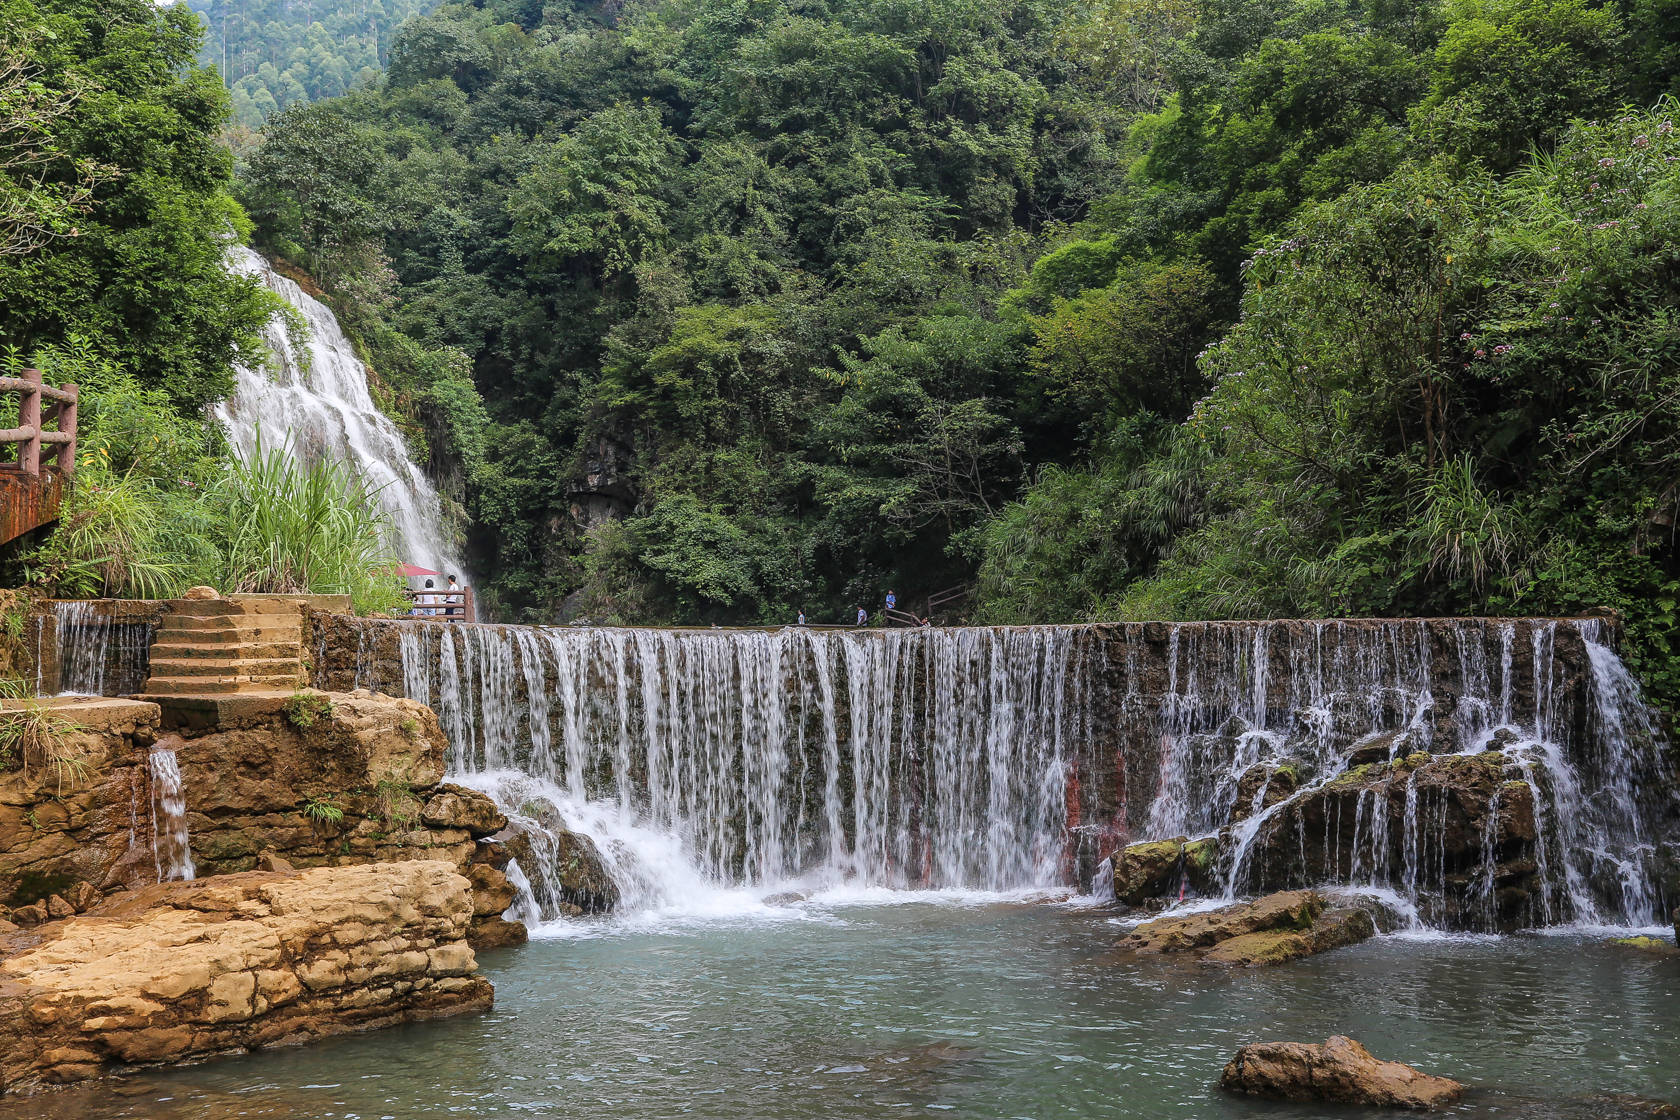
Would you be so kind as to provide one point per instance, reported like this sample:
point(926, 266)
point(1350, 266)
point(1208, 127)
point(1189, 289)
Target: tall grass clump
point(292, 527)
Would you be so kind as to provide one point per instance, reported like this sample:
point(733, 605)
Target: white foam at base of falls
point(318, 401)
point(171, 850)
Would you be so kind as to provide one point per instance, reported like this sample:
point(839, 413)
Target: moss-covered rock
point(1269, 930)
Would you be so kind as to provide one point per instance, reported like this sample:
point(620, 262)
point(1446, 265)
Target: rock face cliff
point(236, 962)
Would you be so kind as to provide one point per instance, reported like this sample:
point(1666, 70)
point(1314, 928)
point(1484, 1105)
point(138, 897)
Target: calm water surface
point(952, 1010)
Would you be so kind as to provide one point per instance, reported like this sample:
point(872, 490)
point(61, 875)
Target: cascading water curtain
point(967, 757)
point(899, 757)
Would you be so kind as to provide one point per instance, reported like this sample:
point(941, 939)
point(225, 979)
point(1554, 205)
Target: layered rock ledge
point(234, 963)
point(1340, 1071)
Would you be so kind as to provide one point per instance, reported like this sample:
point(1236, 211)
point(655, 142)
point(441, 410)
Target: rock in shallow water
point(1340, 1071)
point(1269, 930)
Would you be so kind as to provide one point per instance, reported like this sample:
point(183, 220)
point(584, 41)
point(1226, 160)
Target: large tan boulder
point(1271, 930)
point(1340, 1071)
point(232, 963)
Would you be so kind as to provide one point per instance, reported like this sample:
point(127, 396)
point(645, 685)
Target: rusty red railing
point(32, 432)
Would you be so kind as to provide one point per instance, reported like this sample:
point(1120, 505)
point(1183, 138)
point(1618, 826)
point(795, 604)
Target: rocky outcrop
point(1466, 822)
point(568, 876)
point(1340, 1071)
point(322, 779)
point(237, 962)
point(75, 808)
point(1270, 930)
point(1156, 869)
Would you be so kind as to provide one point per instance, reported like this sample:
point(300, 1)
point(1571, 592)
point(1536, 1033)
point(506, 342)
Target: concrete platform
point(205, 713)
point(92, 713)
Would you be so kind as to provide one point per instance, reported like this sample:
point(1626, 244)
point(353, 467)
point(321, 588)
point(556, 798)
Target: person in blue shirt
point(801, 618)
point(892, 601)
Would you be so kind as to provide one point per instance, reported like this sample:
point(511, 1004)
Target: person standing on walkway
point(801, 618)
point(892, 601)
point(863, 617)
point(455, 600)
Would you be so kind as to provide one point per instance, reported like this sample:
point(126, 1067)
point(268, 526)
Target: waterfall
point(170, 848)
point(317, 397)
point(908, 758)
point(98, 654)
point(1478, 773)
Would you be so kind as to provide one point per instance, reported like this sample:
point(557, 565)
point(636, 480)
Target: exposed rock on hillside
point(69, 821)
point(1270, 930)
point(1341, 1070)
point(235, 962)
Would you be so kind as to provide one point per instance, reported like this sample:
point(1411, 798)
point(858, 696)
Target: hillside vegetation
point(713, 310)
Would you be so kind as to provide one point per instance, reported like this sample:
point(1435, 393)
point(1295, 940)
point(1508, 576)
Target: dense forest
point(716, 310)
point(272, 53)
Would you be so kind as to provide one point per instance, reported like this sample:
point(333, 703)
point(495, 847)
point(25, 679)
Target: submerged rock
point(182, 970)
point(1652, 945)
point(1270, 930)
point(1341, 1071)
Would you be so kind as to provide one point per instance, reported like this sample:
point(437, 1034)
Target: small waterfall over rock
point(317, 397)
point(1482, 774)
point(99, 653)
point(170, 847)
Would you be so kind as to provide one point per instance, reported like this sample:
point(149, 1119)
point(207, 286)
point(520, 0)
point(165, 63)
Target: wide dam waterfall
point(1481, 774)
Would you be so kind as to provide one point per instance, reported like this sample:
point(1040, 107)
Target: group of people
point(863, 614)
point(432, 602)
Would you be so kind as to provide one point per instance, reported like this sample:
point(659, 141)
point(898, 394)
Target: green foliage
point(159, 506)
point(122, 148)
point(315, 527)
point(323, 810)
point(1447, 395)
point(397, 803)
point(33, 733)
point(303, 710)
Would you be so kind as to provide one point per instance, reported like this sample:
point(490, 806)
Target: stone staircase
point(215, 648)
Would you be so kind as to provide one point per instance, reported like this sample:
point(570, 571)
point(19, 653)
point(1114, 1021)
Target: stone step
point(241, 669)
point(206, 686)
point(224, 651)
point(213, 608)
point(210, 629)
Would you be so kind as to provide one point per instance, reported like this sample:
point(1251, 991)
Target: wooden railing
point(443, 606)
point(31, 431)
point(949, 599)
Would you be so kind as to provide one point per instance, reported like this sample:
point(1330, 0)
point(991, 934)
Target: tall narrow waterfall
point(171, 850)
point(317, 397)
point(1490, 773)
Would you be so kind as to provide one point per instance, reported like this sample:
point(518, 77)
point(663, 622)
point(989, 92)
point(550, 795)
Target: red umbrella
point(409, 571)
